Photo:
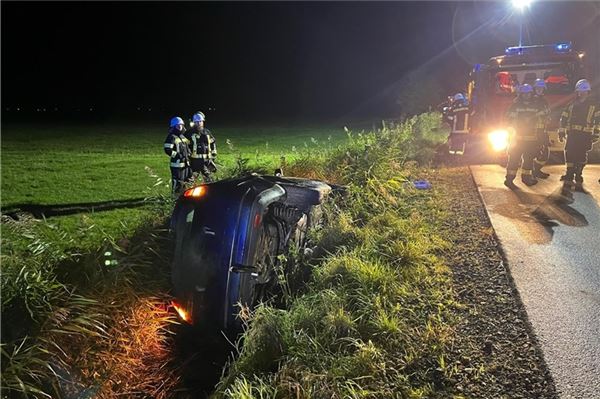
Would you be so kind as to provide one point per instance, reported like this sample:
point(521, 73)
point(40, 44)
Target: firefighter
point(177, 148)
point(445, 108)
point(524, 116)
point(458, 117)
point(203, 148)
point(540, 160)
point(580, 124)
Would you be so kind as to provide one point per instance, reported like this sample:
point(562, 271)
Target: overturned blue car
point(228, 238)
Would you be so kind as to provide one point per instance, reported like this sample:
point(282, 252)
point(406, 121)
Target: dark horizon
point(257, 61)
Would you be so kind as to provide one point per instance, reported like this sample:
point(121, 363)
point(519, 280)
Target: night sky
point(260, 61)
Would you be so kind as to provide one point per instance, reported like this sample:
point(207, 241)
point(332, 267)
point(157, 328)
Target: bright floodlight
point(521, 4)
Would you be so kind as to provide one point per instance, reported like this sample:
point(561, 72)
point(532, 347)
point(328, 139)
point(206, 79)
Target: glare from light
point(499, 139)
point(521, 4)
point(185, 316)
point(581, 55)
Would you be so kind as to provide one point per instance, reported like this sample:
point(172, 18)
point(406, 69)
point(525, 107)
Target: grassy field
point(58, 165)
point(95, 164)
point(84, 295)
point(48, 262)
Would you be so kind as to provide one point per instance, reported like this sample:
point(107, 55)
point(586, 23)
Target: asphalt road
point(553, 250)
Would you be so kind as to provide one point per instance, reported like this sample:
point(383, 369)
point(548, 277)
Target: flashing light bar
point(564, 47)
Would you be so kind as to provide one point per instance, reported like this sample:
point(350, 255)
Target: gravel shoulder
point(495, 353)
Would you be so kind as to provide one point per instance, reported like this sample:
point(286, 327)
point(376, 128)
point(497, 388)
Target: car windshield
point(559, 79)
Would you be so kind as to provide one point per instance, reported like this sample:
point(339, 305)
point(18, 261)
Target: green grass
point(373, 320)
point(96, 163)
point(46, 262)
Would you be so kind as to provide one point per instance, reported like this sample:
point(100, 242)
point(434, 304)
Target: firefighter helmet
point(526, 88)
point(539, 83)
point(176, 121)
point(459, 97)
point(198, 117)
point(583, 85)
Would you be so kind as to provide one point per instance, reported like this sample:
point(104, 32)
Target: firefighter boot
point(579, 178)
point(567, 179)
point(509, 181)
point(529, 180)
point(537, 171)
point(579, 183)
point(569, 175)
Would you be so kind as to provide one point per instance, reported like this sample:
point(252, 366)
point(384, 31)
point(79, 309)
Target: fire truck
point(492, 88)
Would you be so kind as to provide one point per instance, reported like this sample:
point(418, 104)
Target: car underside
point(229, 236)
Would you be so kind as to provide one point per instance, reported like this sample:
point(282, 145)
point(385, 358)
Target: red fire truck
point(492, 88)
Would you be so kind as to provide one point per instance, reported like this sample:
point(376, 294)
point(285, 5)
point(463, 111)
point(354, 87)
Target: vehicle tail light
point(195, 192)
point(184, 314)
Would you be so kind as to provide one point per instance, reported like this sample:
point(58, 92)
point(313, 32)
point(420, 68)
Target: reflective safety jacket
point(459, 118)
point(202, 144)
point(581, 118)
point(527, 118)
point(177, 148)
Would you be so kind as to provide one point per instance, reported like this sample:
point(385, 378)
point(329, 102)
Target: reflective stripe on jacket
point(527, 118)
point(176, 146)
point(203, 144)
point(581, 118)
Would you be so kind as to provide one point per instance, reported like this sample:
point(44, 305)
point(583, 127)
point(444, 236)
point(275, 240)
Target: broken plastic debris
point(422, 184)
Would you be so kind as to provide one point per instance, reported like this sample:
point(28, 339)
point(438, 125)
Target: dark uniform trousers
point(544, 141)
point(521, 153)
point(581, 122)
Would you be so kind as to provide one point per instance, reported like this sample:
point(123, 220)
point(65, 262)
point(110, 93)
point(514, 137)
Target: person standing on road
point(203, 148)
point(540, 160)
point(458, 116)
point(524, 116)
point(580, 124)
point(177, 148)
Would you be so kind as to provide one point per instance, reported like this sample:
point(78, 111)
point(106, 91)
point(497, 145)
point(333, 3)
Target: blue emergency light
point(564, 47)
point(513, 50)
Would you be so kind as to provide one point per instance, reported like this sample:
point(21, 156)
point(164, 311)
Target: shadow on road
point(538, 215)
point(41, 211)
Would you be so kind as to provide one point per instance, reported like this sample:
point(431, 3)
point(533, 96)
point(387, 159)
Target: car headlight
point(499, 139)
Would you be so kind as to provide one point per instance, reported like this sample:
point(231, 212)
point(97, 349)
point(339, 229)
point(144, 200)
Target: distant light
point(563, 47)
point(581, 55)
point(521, 4)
